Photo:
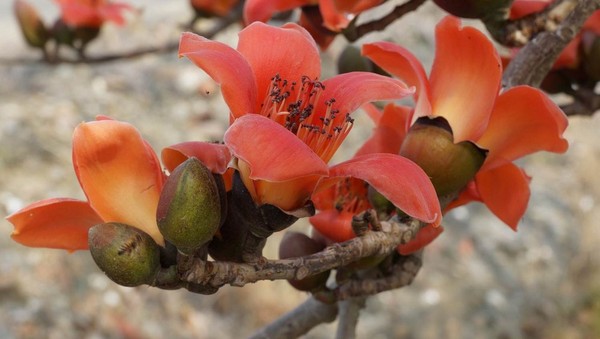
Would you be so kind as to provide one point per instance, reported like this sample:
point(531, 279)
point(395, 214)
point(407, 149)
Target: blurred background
point(479, 280)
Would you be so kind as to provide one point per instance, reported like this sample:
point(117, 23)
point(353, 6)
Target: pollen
point(297, 106)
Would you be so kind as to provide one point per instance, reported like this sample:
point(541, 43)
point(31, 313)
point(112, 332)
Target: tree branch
point(534, 61)
point(218, 273)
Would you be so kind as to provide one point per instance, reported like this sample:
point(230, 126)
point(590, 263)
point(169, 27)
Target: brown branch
point(532, 62)
point(219, 273)
point(518, 32)
point(349, 311)
point(300, 320)
point(353, 32)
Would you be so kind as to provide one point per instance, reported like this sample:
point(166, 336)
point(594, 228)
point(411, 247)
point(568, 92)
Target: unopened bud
point(127, 255)
point(295, 244)
point(189, 208)
point(33, 28)
point(430, 144)
point(381, 204)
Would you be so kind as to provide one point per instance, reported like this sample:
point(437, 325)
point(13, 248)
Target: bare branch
point(219, 273)
point(349, 311)
point(586, 103)
point(532, 62)
point(299, 321)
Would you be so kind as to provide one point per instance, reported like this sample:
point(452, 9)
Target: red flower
point(92, 13)
point(287, 125)
point(121, 178)
point(336, 13)
point(464, 89)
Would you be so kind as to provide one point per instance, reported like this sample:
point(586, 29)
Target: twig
point(349, 311)
point(532, 62)
point(353, 32)
point(586, 103)
point(219, 273)
point(518, 32)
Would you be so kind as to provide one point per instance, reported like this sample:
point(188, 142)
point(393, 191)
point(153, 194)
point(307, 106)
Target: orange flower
point(121, 178)
point(336, 13)
point(92, 13)
point(286, 124)
point(463, 87)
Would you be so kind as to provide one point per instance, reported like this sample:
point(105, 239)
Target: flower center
point(299, 108)
point(351, 196)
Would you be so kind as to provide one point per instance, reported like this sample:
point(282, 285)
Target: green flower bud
point(295, 244)
point(381, 204)
point(350, 60)
point(430, 144)
point(127, 255)
point(189, 208)
point(33, 28)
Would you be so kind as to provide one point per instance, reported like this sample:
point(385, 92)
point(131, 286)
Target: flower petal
point(401, 63)
point(390, 131)
point(465, 78)
point(227, 67)
point(398, 179)
point(423, 238)
point(333, 19)
point(54, 223)
point(214, 156)
point(505, 191)
point(524, 120)
point(120, 176)
point(336, 226)
point(288, 51)
point(272, 152)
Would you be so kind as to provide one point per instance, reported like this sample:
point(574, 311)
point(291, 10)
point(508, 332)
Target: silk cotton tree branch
point(534, 61)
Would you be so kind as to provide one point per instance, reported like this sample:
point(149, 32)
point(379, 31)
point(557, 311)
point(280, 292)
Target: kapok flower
point(92, 13)
point(463, 88)
point(347, 197)
point(121, 178)
point(286, 124)
point(336, 13)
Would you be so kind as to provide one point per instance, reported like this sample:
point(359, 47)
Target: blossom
point(122, 181)
point(92, 13)
point(286, 124)
point(463, 88)
point(336, 14)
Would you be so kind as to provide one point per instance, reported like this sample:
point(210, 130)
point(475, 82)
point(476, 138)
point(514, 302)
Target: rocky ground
point(479, 280)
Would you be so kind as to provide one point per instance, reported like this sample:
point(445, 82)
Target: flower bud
point(189, 208)
point(350, 60)
point(429, 143)
point(33, 28)
point(127, 255)
point(295, 244)
point(381, 204)
point(476, 9)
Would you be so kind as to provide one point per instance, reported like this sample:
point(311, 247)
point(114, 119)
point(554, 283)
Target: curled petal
point(272, 152)
point(54, 223)
point(214, 156)
point(505, 191)
point(425, 236)
point(333, 19)
point(335, 225)
point(119, 174)
point(390, 131)
point(401, 63)
point(288, 51)
point(227, 67)
point(398, 179)
point(465, 78)
point(524, 120)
